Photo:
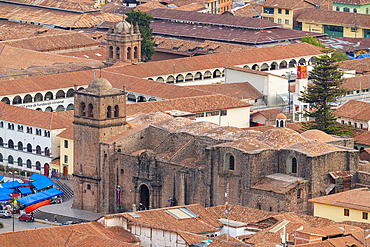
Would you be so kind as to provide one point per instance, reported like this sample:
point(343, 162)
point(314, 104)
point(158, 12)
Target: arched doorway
point(65, 171)
point(46, 170)
point(144, 197)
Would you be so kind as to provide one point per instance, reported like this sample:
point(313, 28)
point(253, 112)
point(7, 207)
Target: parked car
point(5, 214)
point(26, 217)
point(70, 222)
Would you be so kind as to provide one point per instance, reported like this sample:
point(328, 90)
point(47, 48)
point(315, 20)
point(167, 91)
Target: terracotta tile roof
point(150, 5)
point(96, 54)
point(115, 7)
point(260, 128)
point(355, 199)
point(151, 118)
point(10, 30)
point(247, 144)
point(83, 78)
point(218, 60)
point(205, 222)
point(189, 104)
point(313, 147)
point(53, 4)
point(269, 114)
point(227, 34)
point(55, 17)
point(287, 4)
point(198, 127)
point(363, 138)
point(53, 42)
point(297, 126)
point(192, 7)
point(77, 239)
point(361, 66)
point(244, 134)
point(63, 236)
point(252, 71)
point(248, 10)
point(190, 47)
point(353, 109)
point(318, 135)
point(278, 184)
point(211, 19)
point(221, 132)
point(191, 238)
point(67, 133)
point(27, 58)
point(328, 231)
point(241, 91)
point(281, 137)
point(334, 17)
point(357, 83)
point(173, 124)
point(34, 118)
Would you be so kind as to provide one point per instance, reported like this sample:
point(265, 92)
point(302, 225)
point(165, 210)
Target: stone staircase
point(68, 192)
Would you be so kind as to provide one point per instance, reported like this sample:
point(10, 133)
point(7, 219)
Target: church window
point(117, 52)
point(128, 53)
point(110, 52)
point(144, 167)
point(90, 111)
point(229, 162)
point(83, 109)
point(281, 123)
point(89, 187)
point(337, 9)
point(109, 112)
point(294, 165)
point(116, 111)
point(122, 171)
point(135, 52)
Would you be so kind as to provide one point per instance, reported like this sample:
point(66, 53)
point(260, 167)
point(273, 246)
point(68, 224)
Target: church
point(155, 160)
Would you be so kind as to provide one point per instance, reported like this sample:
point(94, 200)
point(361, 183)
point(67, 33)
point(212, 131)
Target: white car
point(5, 214)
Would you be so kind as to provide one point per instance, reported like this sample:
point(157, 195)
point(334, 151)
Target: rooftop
point(354, 2)
point(173, 124)
point(354, 199)
point(353, 109)
point(246, 144)
point(269, 114)
point(361, 66)
point(248, 10)
point(218, 60)
point(211, 19)
point(198, 127)
point(278, 183)
point(317, 135)
point(334, 17)
point(241, 91)
point(281, 137)
point(244, 134)
point(288, 4)
point(363, 138)
point(63, 5)
point(67, 133)
point(221, 132)
point(313, 147)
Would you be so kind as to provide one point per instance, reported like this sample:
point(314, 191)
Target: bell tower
point(123, 43)
point(100, 113)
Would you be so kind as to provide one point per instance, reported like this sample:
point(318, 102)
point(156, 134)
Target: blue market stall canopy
point(6, 191)
point(4, 197)
point(39, 197)
point(10, 185)
point(24, 191)
point(41, 181)
point(1, 178)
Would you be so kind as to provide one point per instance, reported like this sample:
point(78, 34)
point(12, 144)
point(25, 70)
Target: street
point(19, 225)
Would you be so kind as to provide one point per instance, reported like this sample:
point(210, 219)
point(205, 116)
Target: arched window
point(1, 142)
point(180, 78)
point(337, 9)
point(281, 123)
point(70, 93)
point(47, 152)
point(49, 96)
point(229, 162)
point(144, 167)
point(20, 161)
point(6, 100)
point(10, 143)
point(17, 100)
point(128, 53)
point(90, 111)
point(345, 9)
point(29, 148)
point(109, 112)
point(1, 158)
point(38, 97)
point(355, 10)
point(38, 165)
point(29, 164)
point(20, 146)
point(116, 111)
point(27, 99)
point(117, 53)
point(294, 165)
point(135, 52)
point(38, 149)
point(10, 159)
point(83, 109)
point(110, 52)
point(60, 94)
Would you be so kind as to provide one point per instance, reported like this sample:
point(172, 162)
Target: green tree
point(143, 20)
point(322, 93)
point(340, 56)
point(312, 40)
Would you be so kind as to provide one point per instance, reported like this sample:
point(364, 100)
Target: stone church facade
point(161, 161)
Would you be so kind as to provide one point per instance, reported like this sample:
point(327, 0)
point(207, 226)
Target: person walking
point(55, 218)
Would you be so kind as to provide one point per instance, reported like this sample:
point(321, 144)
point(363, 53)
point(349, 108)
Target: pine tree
point(322, 93)
point(143, 20)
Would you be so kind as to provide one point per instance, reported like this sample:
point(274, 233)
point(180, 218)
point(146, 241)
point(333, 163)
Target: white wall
point(25, 138)
point(236, 117)
point(156, 237)
point(365, 124)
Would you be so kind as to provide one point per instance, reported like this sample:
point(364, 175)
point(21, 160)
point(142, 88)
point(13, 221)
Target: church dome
point(100, 84)
point(281, 116)
point(123, 26)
